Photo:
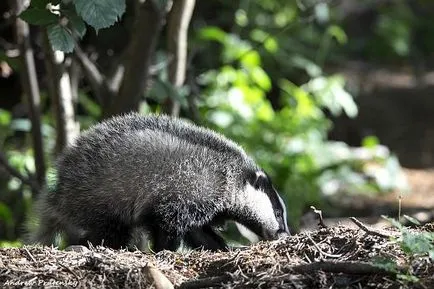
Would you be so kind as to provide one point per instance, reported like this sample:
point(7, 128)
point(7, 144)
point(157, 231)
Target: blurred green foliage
point(290, 142)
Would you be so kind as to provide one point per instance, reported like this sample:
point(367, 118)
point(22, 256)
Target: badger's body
point(163, 175)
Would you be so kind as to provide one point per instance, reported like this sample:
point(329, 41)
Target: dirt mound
point(337, 257)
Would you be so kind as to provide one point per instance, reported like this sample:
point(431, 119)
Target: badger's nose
point(282, 234)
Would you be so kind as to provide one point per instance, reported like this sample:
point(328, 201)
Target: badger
point(172, 179)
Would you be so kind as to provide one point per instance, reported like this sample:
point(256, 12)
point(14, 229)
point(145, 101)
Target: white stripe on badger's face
point(285, 217)
point(281, 202)
point(259, 205)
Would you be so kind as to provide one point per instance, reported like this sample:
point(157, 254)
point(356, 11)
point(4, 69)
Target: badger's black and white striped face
point(265, 206)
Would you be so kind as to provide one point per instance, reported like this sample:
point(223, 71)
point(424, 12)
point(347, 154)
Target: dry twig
point(319, 213)
point(373, 231)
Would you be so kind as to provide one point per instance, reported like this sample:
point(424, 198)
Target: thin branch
point(114, 80)
point(104, 87)
point(91, 72)
point(30, 255)
point(88, 66)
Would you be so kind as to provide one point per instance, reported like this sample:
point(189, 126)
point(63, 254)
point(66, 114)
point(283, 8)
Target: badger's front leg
point(206, 238)
point(163, 240)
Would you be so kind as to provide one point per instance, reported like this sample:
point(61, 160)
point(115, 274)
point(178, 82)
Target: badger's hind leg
point(205, 238)
point(47, 227)
point(46, 232)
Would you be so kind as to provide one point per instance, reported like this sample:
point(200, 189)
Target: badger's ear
point(250, 177)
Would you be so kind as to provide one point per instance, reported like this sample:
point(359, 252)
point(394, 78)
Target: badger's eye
point(278, 214)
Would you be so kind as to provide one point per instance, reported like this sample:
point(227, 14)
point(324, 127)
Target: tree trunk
point(31, 89)
point(138, 59)
point(61, 94)
point(177, 32)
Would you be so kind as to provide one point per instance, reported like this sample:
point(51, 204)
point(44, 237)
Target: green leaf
point(5, 214)
point(213, 33)
point(412, 220)
point(60, 38)
point(271, 44)
point(40, 3)
point(37, 16)
point(5, 117)
point(162, 4)
point(43, 3)
point(370, 141)
point(417, 243)
point(76, 22)
point(91, 106)
point(338, 33)
point(394, 222)
point(251, 58)
point(261, 78)
point(241, 18)
point(78, 25)
point(100, 13)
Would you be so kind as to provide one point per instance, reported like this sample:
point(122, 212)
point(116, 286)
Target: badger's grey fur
point(160, 174)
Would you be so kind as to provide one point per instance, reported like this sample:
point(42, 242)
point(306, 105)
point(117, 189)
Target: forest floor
point(341, 253)
point(334, 257)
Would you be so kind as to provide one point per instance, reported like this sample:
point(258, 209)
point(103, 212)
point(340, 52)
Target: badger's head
point(262, 210)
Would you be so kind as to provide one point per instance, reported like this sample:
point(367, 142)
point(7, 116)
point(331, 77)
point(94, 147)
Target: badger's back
point(135, 164)
point(179, 128)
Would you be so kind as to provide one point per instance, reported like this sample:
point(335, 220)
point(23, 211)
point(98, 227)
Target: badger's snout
point(282, 234)
point(274, 235)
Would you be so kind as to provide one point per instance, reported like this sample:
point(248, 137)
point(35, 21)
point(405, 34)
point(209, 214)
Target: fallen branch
point(372, 231)
point(205, 282)
point(347, 267)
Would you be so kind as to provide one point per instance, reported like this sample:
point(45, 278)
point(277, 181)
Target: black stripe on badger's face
point(274, 219)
